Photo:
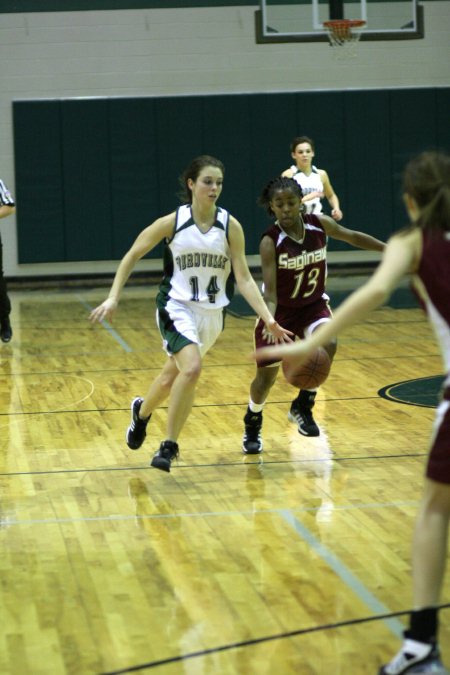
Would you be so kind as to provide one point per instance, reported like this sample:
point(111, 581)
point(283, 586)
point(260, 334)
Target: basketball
point(309, 374)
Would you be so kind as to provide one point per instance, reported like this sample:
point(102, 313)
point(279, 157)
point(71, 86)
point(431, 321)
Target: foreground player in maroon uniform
point(294, 267)
point(423, 250)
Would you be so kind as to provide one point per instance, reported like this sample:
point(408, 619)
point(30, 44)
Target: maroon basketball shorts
point(438, 467)
point(300, 321)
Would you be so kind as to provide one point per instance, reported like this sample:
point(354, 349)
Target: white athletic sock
point(255, 407)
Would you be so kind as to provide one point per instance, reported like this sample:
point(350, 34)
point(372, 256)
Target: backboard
point(302, 20)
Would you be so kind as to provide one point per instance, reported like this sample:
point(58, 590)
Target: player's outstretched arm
point(146, 240)
point(352, 237)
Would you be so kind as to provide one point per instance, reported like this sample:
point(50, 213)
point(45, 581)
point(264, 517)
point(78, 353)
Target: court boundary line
point(256, 641)
point(196, 406)
point(341, 570)
point(147, 467)
point(107, 326)
point(203, 514)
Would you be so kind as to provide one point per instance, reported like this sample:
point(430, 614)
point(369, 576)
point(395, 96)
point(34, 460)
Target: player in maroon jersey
point(423, 250)
point(294, 267)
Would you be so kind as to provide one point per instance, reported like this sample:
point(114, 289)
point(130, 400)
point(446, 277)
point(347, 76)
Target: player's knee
point(192, 370)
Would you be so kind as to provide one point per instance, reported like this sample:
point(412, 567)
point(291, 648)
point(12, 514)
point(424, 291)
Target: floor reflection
point(313, 457)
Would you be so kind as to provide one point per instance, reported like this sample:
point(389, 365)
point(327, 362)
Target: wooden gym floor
point(294, 562)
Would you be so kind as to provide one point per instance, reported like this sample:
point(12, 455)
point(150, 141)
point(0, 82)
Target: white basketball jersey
point(197, 265)
point(311, 183)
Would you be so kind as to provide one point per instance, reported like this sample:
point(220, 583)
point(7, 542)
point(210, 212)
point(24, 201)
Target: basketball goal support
point(336, 11)
point(279, 21)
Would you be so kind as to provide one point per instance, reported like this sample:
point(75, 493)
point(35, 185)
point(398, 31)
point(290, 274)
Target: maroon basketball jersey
point(432, 284)
point(301, 265)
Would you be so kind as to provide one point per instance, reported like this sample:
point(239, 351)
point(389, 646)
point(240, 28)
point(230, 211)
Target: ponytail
point(427, 181)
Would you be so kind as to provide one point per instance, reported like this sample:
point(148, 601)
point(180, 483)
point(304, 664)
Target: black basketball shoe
point(168, 450)
point(252, 441)
point(301, 413)
point(137, 430)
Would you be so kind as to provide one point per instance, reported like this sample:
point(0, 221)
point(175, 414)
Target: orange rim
point(344, 23)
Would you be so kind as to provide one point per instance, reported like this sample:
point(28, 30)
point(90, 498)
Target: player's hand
point(103, 311)
point(268, 337)
point(274, 333)
point(279, 351)
point(337, 214)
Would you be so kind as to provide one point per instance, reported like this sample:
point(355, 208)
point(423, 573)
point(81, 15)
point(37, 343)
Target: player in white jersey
point(315, 183)
point(198, 264)
point(422, 250)
point(203, 244)
point(312, 188)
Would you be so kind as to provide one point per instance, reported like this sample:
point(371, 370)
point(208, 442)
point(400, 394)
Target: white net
point(344, 33)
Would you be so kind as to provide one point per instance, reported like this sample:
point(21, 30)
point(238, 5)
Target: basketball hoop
point(344, 32)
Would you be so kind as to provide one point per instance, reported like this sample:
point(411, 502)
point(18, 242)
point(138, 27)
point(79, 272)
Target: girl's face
point(286, 205)
point(303, 155)
point(207, 186)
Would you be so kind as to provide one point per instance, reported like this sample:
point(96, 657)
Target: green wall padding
point(134, 171)
point(442, 117)
point(413, 129)
point(107, 168)
point(369, 197)
point(39, 181)
point(86, 171)
point(179, 130)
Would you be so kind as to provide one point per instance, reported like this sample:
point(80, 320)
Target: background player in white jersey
point(423, 250)
point(294, 267)
point(315, 183)
point(203, 243)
